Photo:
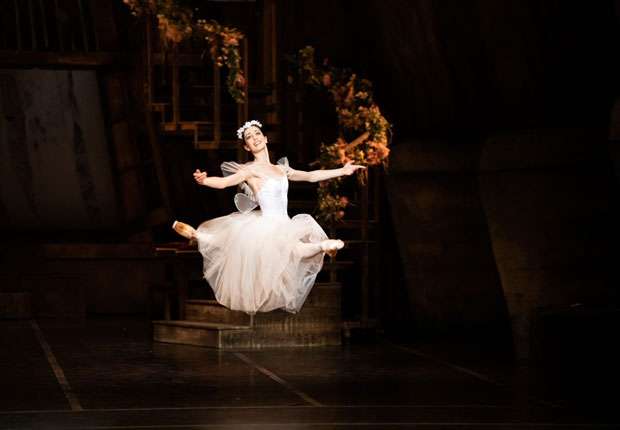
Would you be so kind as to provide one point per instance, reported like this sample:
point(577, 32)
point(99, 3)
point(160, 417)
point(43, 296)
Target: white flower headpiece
point(247, 125)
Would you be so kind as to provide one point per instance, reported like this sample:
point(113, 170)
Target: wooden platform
point(209, 324)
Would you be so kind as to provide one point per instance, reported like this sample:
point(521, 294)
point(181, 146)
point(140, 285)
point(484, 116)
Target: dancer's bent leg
point(307, 250)
point(330, 246)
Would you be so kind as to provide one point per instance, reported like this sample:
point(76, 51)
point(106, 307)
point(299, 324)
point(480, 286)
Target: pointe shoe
point(184, 230)
point(331, 246)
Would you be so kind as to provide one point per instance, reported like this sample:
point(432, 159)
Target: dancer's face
point(254, 139)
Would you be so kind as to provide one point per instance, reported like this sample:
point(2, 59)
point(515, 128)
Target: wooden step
point(208, 323)
point(308, 318)
point(275, 323)
point(196, 333)
point(259, 340)
point(228, 336)
point(212, 311)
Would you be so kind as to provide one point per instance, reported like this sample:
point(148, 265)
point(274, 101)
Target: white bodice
point(272, 197)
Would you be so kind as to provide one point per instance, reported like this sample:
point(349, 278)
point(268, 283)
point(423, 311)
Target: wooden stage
point(109, 374)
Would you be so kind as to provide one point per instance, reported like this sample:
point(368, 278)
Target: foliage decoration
point(176, 22)
point(359, 118)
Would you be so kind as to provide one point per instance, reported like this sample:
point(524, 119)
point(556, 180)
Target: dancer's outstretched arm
point(221, 182)
point(322, 175)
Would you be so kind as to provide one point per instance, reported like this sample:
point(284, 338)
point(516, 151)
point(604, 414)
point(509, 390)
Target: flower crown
point(247, 125)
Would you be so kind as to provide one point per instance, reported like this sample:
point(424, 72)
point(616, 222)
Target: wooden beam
point(83, 25)
point(33, 33)
point(180, 59)
point(149, 64)
point(365, 295)
point(58, 26)
point(176, 94)
point(18, 31)
point(217, 106)
point(67, 59)
point(44, 25)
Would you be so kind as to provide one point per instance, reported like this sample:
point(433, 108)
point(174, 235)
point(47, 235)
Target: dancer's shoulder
point(232, 167)
point(283, 164)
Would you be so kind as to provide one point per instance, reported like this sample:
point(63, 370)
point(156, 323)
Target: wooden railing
point(59, 33)
point(48, 25)
point(209, 123)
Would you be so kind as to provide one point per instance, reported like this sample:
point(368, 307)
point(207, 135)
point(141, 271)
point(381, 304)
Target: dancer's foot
point(331, 246)
point(184, 230)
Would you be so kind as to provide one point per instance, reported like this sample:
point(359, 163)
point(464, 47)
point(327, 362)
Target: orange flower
point(327, 79)
point(240, 81)
point(384, 151)
point(230, 40)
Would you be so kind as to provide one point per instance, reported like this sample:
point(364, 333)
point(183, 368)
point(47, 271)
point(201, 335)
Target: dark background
point(500, 202)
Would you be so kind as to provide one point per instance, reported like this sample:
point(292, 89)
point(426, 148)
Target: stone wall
point(442, 232)
point(55, 166)
point(550, 204)
point(503, 230)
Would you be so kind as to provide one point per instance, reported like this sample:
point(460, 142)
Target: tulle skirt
point(251, 263)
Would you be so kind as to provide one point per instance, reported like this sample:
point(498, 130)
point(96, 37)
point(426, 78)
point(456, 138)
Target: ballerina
point(261, 260)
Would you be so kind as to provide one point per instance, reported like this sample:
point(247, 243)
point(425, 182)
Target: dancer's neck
point(262, 157)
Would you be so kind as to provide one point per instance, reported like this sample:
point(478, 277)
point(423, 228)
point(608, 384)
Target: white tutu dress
point(249, 256)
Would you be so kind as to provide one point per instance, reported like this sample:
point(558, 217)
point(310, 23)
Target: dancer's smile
point(254, 138)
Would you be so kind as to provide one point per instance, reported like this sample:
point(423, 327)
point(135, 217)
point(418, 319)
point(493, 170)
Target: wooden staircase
point(210, 324)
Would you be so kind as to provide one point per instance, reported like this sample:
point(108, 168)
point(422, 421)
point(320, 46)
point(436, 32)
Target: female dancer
point(261, 260)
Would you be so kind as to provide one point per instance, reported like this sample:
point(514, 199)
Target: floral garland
point(358, 117)
point(176, 23)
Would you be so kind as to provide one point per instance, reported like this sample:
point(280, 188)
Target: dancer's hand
point(349, 168)
point(200, 177)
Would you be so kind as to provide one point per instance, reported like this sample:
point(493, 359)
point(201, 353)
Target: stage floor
point(108, 374)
